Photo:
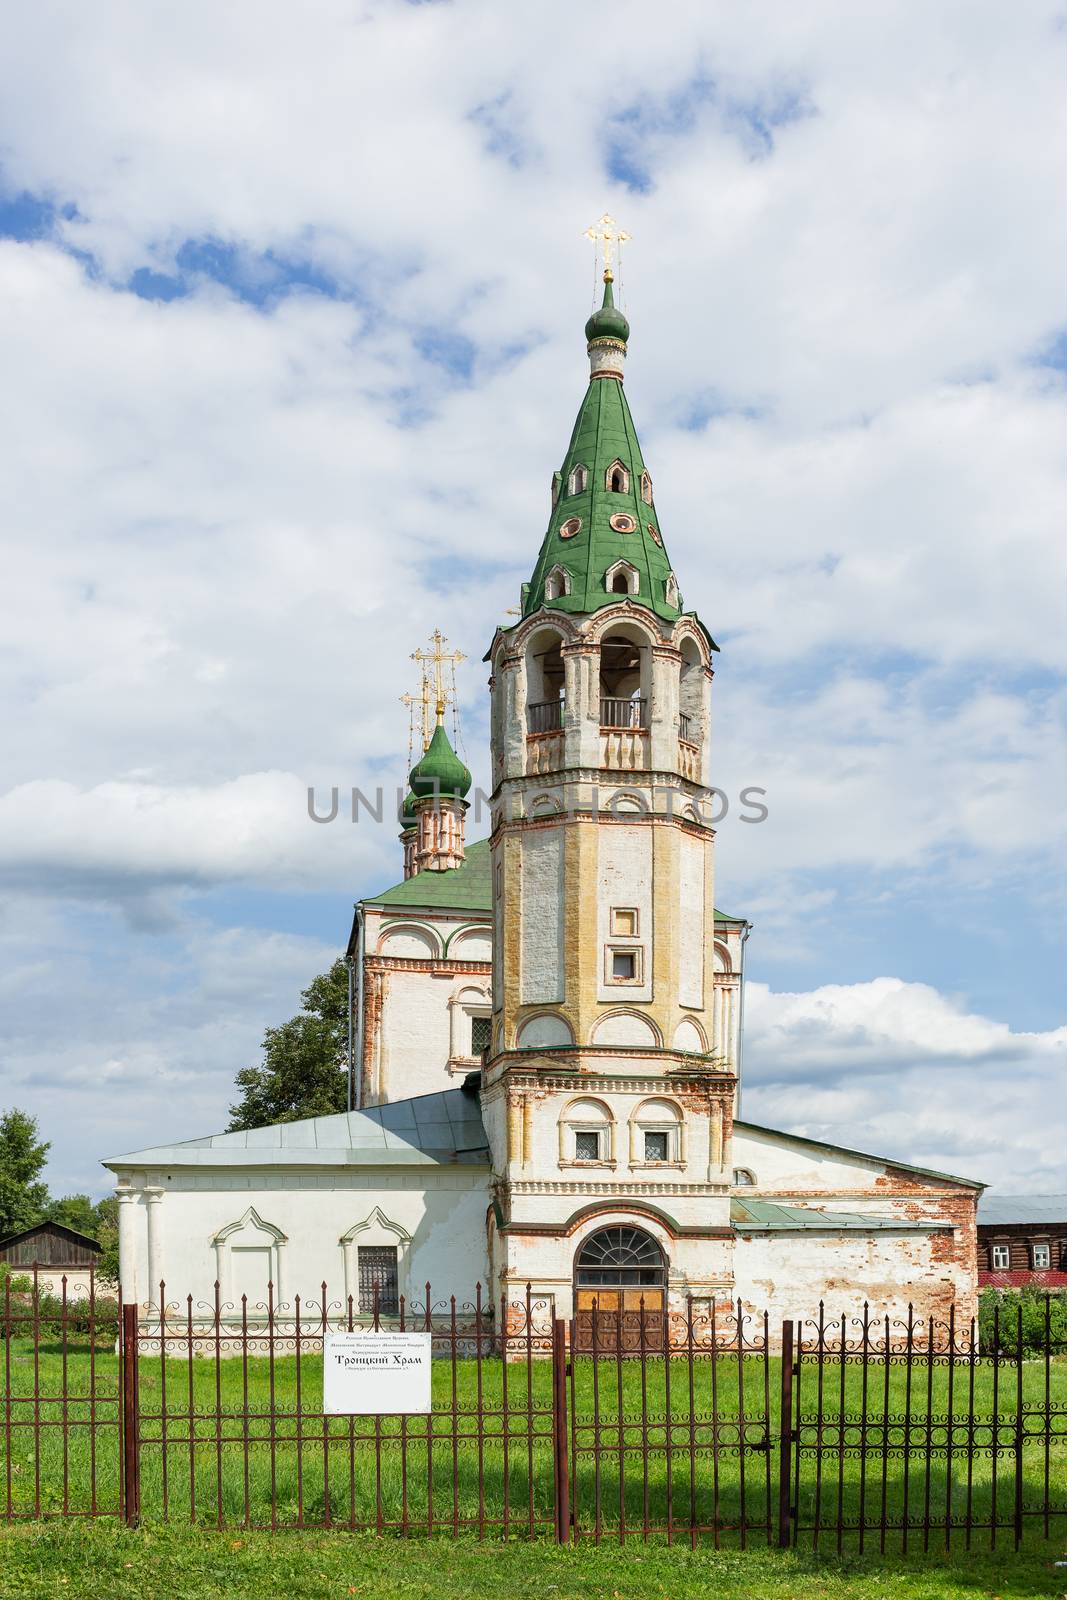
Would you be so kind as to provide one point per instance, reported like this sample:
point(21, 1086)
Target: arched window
point(557, 583)
point(578, 480)
point(657, 1134)
point(671, 590)
point(744, 1178)
point(622, 578)
point(587, 1133)
point(617, 479)
point(646, 488)
point(620, 1257)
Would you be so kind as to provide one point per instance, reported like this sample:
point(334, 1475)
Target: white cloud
point(899, 1069)
point(229, 526)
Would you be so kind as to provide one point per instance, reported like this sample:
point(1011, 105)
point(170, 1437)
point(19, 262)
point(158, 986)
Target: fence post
point(559, 1431)
point(785, 1453)
point(131, 1450)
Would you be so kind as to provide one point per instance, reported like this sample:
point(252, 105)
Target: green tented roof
point(604, 433)
point(769, 1216)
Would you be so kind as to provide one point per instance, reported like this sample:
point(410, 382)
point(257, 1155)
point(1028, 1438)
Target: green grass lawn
point(102, 1561)
point(708, 1446)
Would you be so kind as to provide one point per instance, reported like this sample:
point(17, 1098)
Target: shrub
point(1040, 1311)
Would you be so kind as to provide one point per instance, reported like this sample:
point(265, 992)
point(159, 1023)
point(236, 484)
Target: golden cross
point(433, 661)
point(424, 699)
point(607, 235)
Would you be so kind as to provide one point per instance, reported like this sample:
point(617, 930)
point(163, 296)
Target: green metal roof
point(465, 888)
point(427, 1130)
point(603, 433)
point(439, 771)
point(769, 1216)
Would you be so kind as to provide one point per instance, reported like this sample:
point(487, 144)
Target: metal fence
point(707, 1425)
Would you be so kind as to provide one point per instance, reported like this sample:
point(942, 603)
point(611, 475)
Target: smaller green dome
point(440, 771)
point(408, 819)
point(608, 322)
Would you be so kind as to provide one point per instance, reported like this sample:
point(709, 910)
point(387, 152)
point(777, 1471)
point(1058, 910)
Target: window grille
point(378, 1269)
point(481, 1034)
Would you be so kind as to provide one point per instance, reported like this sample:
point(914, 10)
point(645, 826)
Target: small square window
point(1001, 1258)
point(657, 1146)
point(624, 923)
point(624, 965)
point(1041, 1256)
point(587, 1147)
point(481, 1034)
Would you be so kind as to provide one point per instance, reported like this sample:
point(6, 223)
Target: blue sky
point(292, 332)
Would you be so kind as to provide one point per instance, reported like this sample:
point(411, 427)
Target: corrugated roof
point(428, 1130)
point(770, 1216)
point(994, 1209)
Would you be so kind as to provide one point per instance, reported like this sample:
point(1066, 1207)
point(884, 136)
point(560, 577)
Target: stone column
point(153, 1197)
point(127, 1199)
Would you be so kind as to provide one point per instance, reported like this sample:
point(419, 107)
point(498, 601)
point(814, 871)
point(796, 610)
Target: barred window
point(481, 1034)
point(378, 1270)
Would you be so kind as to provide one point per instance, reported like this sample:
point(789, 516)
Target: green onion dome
point(408, 819)
point(440, 771)
point(608, 322)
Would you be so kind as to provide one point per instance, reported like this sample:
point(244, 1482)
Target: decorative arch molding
point(587, 1114)
point(723, 962)
point(469, 933)
point(516, 644)
point(545, 1030)
point(628, 1029)
point(611, 617)
point(467, 1002)
point(625, 569)
point(684, 629)
point(411, 940)
point(557, 583)
point(260, 1237)
point(587, 1219)
point(690, 1037)
point(659, 1115)
point(375, 1230)
point(545, 805)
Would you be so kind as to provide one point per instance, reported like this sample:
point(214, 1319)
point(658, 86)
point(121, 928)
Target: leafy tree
point(75, 1211)
point(23, 1197)
point(107, 1233)
point(304, 1072)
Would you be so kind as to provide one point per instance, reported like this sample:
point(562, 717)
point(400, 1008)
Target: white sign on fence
point(367, 1373)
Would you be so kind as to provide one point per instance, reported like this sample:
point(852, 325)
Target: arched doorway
point(620, 1288)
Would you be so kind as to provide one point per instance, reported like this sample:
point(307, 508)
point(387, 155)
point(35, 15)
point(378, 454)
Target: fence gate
point(672, 1426)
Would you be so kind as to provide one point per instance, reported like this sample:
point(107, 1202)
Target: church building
point(549, 1023)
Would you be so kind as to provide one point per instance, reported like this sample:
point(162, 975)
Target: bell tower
point(607, 1108)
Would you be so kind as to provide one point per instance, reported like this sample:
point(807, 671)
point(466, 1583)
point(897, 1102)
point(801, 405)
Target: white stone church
point(549, 1022)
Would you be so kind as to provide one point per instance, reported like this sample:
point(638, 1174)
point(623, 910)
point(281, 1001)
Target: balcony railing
point(544, 716)
point(623, 713)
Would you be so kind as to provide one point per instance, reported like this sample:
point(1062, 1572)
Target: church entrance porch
point(620, 1279)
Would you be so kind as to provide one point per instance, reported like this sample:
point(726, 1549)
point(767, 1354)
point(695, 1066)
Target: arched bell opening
point(625, 678)
point(620, 1291)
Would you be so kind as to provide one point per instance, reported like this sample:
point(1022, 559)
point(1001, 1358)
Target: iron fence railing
point(615, 713)
point(544, 716)
point(701, 1423)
